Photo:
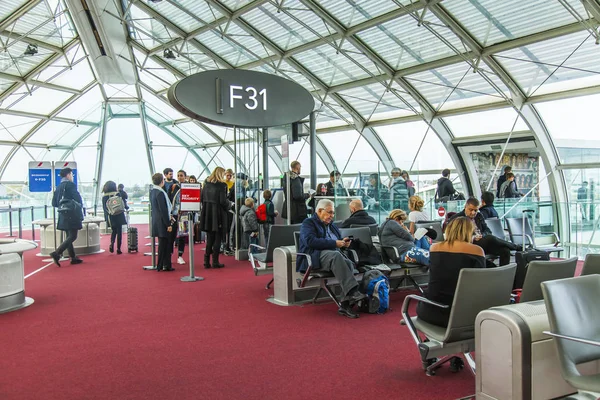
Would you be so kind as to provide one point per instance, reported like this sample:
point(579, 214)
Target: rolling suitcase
point(525, 256)
point(132, 239)
point(199, 236)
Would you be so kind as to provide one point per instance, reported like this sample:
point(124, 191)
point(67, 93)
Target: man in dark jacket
point(70, 219)
point(487, 205)
point(502, 179)
point(445, 187)
point(334, 185)
point(298, 209)
point(321, 240)
point(359, 216)
point(161, 221)
point(483, 235)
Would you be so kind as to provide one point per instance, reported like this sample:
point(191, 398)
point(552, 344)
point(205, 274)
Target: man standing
point(334, 185)
point(70, 214)
point(161, 221)
point(174, 196)
point(445, 188)
point(359, 216)
point(168, 181)
point(322, 241)
point(483, 235)
point(298, 209)
point(582, 199)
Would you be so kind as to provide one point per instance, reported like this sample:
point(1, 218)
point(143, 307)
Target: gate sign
point(40, 176)
point(242, 98)
point(190, 196)
point(441, 211)
point(59, 165)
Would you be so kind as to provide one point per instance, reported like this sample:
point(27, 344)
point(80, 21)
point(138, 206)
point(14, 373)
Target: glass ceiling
point(368, 63)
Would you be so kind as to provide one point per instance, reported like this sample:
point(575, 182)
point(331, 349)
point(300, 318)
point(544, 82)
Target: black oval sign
point(242, 98)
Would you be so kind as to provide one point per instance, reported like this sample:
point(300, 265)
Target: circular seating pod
point(88, 238)
point(12, 273)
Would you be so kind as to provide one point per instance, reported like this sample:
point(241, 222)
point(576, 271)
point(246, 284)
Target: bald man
point(359, 216)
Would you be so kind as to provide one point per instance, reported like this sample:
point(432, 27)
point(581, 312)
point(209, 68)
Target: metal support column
point(313, 150)
point(144, 122)
point(100, 155)
point(265, 153)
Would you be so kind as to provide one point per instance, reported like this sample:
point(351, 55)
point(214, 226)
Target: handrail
point(19, 210)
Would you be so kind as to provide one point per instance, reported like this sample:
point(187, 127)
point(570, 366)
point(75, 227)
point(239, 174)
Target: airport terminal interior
point(440, 108)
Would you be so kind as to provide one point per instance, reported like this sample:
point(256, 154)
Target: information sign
point(40, 176)
point(190, 196)
point(59, 165)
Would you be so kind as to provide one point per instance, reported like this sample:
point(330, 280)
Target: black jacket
point(114, 220)
point(501, 180)
point(72, 220)
point(360, 217)
point(215, 207)
point(161, 219)
point(479, 222)
point(335, 189)
point(445, 188)
point(488, 212)
point(298, 207)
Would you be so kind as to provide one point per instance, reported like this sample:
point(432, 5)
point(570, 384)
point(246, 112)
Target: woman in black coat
point(117, 221)
point(213, 216)
point(68, 221)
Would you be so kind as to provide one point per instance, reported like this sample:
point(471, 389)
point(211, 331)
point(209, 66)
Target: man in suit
point(69, 220)
point(161, 222)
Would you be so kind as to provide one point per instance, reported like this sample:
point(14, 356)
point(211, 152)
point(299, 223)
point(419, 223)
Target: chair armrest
point(397, 255)
point(308, 270)
point(557, 241)
point(257, 246)
point(573, 338)
point(410, 297)
point(354, 255)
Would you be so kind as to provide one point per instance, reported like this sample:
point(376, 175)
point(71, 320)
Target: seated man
point(487, 206)
point(483, 235)
point(322, 241)
point(359, 216)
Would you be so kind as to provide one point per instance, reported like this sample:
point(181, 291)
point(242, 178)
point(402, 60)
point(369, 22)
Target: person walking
point(117, 221)
point(70, 214)
point(213, 215)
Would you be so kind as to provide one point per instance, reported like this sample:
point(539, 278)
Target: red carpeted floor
point(106, 329)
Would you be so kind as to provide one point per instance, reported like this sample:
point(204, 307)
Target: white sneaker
point(180, 260)
point(419, 233)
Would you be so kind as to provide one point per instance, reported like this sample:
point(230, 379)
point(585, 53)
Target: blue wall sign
point(40, 176)
point(59, 165)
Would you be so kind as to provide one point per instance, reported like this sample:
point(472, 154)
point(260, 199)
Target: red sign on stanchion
point(190, 196)
point(441, 211)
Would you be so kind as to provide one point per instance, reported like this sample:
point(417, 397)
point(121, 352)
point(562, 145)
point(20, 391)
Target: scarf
point(154, 187)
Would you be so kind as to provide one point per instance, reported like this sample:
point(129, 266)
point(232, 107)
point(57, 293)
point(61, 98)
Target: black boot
point(207, 261)
point(215, 263)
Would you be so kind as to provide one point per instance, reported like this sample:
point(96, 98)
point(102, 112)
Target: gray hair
point(324, 203)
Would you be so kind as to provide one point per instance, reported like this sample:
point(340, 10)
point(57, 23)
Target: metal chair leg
point(331, 294)
point(269, 284)
point(316, 296)
point(415, 284)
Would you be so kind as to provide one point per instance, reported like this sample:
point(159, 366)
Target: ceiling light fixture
point(31, 50)
point(168, 53)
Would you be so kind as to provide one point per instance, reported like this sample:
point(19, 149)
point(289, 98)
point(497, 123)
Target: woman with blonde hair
point(213, 215)
point(412, 249)
point(415, 205)
point(446, 260)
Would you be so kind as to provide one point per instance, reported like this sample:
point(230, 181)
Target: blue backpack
point(377, 287)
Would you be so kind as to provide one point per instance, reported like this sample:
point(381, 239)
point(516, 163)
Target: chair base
point(456, 363)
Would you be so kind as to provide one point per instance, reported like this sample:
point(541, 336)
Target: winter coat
point(298, 207)
point(215, 206)
point(270, 212)
point(392, 234)
point(360, 217)
point(313, 239)
point(249, 220)
point(113, 220)
point(488, 212)
point(445, 188)
point(501, 180)
point(72, 220)
point(161, 219)
point(508, 190)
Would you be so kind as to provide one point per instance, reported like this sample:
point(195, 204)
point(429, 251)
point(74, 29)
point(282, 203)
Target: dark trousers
point(181, 245)
point(213, 243)
point(116, 233)
point(68, 243)
point(498, 247)
point(164, 254)
point(341, 267)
